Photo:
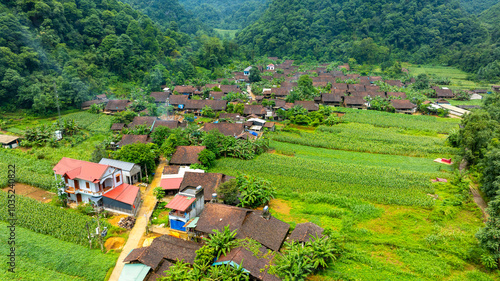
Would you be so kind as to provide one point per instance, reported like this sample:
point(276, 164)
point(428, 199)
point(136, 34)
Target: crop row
point(413, 122)
point(99, 123)
point(41, 257)
point(376, 184)
point(367, 138)
point(28, 170)
point(47, 219)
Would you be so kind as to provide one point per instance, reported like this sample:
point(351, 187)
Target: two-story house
point(187, 204)
point(87, 182)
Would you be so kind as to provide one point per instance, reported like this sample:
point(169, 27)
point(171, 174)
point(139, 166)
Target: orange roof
point(79, 169)
point(180, 203)
point(171, 184)
point(125, 193)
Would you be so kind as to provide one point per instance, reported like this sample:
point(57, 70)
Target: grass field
point(41, 257)
point(458, 77)
point(226, 32)
point(396, 223)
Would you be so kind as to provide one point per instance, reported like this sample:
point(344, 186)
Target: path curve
point(480, 202)
point(135, 236)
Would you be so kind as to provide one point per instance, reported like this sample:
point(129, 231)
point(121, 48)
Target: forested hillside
point(169, 14)
point(222, 14)
point(75, 49)
point(491, 16)
point(477, 6)
point(372, 31)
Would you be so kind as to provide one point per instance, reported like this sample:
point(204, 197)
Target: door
point(128, 180)
point(78, 198)
point(77, 184)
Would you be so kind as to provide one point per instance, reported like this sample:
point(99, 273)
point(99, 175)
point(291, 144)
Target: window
point(118, 178)
point(65, 179)
point(87, 184)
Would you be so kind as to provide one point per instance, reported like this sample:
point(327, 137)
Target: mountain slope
point(75, 48)
point(370, 31)
point(477, 6)
point(223, 14)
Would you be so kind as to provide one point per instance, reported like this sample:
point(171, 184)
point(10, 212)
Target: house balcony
point(70, 190)
point(183, 216)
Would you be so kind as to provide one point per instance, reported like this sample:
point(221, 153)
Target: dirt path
point(249, 90)
point(135, 236)
point(480, 202)
point(32, 192)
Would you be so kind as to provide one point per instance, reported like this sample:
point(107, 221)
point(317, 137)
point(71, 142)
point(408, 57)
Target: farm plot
point(42, 257)
point(368, 138)
point(307, 174)
point(422, 123)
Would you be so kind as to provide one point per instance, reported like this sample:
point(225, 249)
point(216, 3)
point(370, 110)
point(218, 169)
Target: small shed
point(9, 141)
point(124, 198)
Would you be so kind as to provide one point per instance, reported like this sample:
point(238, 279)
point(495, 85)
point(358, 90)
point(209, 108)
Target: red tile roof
point(181, 203)
point(125, 193)
point(170, 184)
point(84, 170)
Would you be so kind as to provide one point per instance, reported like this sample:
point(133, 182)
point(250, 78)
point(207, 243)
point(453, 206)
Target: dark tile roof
point(375, 78)
point(160, 96)
point(160, 272)
point(397, 83)
point(216, 95)
point(356, 87)
point(257, 265)
point(396, 95)
point(184, 89)
point(178, 99)
point(172, 124)
point(116, 105)
point(254, 109)
point(142, 120)
point(269, 232)
point(247, 223)
point(402, 104)
point(280, 92)
point(227, 129)
point(117, 126)
point(309, 105)
point(209, 181)
point(130, 139)
point(372, 88)
point(186, 155)
point(164, 247)
point(339, 86)
point(331, 98)
point(229, 115)
point(259, 98)
point(354, 100)
point(303, 232)
point(340, 92)
point(269, 125)
point(278, 103)
point(216, 105)
point(229, 88)
point(171, 169)
point(444, 93)
point(320, 84)
point(359, 94)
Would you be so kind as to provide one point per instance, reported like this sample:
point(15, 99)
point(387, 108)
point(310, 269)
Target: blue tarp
point(177, 225)
point(134, 272)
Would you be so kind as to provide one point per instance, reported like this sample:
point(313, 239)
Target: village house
point(227, 129)
point(186, 155)
point(178, 101)
point(160, 97)
point(9, 141)
point(151, 262)
point(131, 172)
point(114, 106)
point(87, 104)
point(209, 181)
point(354, 102)
point(396, 83)
point(305, 232)
point(87, 182)
point(395, 95)
point(185, 90)
point(246, 71)
point(309, 105)
point(186, 204)
point(254, 224)
point(495, 88)
point(270, 67)
point(116, 127)
point(226, 89)
point(131, 139)
point(404, 106)
point(196, 106)
point(236, 117)
point(216, 95)
point(331, 99)
point(257, 110)
point(444, 93)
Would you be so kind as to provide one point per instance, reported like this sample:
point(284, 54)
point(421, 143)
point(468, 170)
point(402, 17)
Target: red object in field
point(446, 160)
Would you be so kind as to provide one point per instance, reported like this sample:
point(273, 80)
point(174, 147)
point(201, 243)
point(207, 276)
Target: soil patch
point(32, 192)
point(114, 243)
point(114, 220)
point(280, 206)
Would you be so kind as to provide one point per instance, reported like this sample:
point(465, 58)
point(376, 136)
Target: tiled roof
point(227, 129)
point(125, 193)
point(209, 181)
point(254, 109)
point(402, 104)
point(309, 105)
point(80, 169)
point(130, 139)
point(117, 126)
point(303, 232)
point(116, 105)
point(160, 96)
point(178, 99)
point(257, 265)
point(186, 155)
point(184, 89)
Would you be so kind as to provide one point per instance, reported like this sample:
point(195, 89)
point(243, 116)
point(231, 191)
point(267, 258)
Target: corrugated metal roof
point(125, 166)
point(171, 183)
point(5, 139)
point(134, 272)
point(125, 193)
point(180, 203)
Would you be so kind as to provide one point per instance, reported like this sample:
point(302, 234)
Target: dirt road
point(480, 202)
point(135, 236)
point(249, 90)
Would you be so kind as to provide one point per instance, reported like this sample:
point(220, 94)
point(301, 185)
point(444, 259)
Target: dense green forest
point(477, 6)
point(375, 31)
point(70, 50)
point(491, 16)
point(236, 14)
point(169, 14)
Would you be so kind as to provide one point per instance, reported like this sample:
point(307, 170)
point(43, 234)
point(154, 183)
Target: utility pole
point(90, 238)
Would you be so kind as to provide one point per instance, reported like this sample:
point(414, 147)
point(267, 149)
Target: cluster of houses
point(196, 212)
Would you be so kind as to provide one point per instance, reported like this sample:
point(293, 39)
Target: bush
point(158, 192)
